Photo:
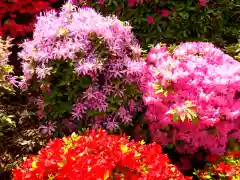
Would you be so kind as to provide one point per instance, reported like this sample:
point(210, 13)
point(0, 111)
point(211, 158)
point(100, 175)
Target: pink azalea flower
point(165, 13)
point(150, 20)
point(195, 86)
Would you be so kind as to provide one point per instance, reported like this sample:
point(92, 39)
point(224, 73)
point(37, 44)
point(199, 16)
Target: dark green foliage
point(65, 85)
point(233, 50)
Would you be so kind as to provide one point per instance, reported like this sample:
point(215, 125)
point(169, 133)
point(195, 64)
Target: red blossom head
point(97, 155)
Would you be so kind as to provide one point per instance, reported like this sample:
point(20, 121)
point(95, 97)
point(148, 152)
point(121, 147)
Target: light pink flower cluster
point(60, 36)
point(100, 48)
point(191, 94)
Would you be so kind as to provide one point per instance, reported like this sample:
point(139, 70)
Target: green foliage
point(65, 85)
point(187, 20)
point(5, 122)
point(234, 50)
point(5, 68)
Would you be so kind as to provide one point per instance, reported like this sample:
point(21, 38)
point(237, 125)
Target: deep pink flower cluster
point(101, 48)
point(191, 95)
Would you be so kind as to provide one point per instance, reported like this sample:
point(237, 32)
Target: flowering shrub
point(88, 67)
point(222, 167)
point(18, 16)
point(173, 20)
point(191, 93)
point(96, 155)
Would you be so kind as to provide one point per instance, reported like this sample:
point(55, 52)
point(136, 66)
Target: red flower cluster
point(222, 167)
point(97, 155)
point(18, 16)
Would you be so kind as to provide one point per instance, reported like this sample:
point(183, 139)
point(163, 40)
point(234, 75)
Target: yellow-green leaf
point(75, 137)
point(192, 113)
point(142, 142)
point(165, 93)
point(106, 175)
point(124, 148)
point(183, 116)
point(34, 164)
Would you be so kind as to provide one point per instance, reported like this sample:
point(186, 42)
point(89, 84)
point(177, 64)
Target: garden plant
point(119, 89)
point(191, 97)
point(97, 155)
point(85, 71)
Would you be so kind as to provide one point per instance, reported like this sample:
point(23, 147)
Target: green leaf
point(182, 117)
point(111, 108)
point(159, 90)
point(115, 3)
point(175, 117)
point(92, 113)
point(159, 29)
point(189, 116)
point(207, 177)
point(109, 3)
point(195, 121)
point(170, 145)
point(193, 113)
point(7, 68)
point(165, 93)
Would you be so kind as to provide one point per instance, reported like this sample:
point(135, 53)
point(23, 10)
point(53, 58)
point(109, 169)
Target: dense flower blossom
point(190, 92)
point(18, 16)
point(96, 155)
point(91, 60)
point(222, 167)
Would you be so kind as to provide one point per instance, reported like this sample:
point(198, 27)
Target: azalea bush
point(221, 167)
point(84, 68)
point(192, 97)
point(18, 16)
point(173, 21)
point(97, 155)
